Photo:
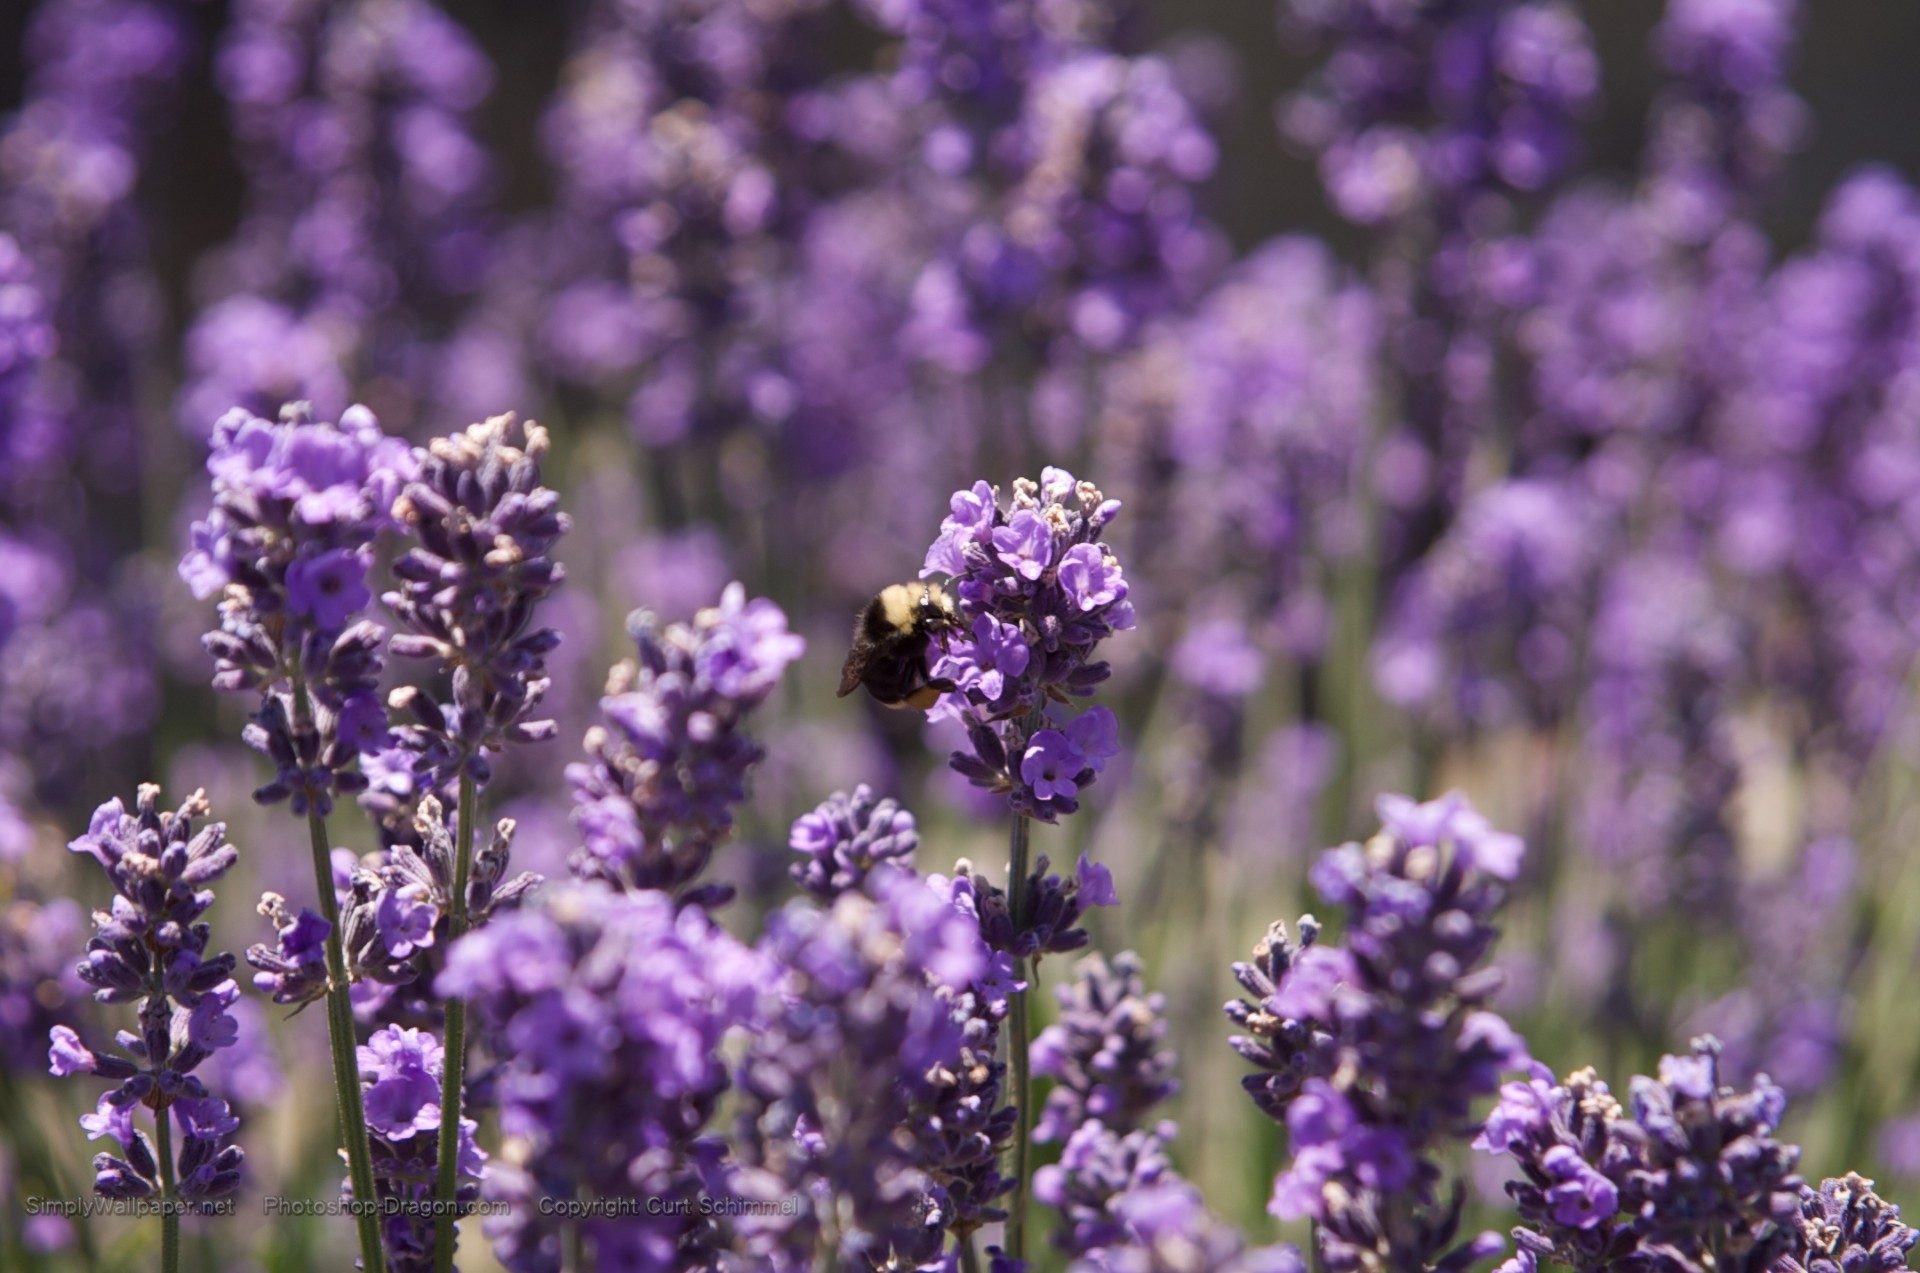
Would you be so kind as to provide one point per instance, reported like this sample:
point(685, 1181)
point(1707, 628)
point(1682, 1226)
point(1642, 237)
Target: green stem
point(447, 1188)
point(344, 1046)
point(169, 1194)
point(969, 1258)
point(576, 1261)
point(1022, 1032)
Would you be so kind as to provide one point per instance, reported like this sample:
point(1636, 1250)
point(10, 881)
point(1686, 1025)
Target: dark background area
point(1855, 70)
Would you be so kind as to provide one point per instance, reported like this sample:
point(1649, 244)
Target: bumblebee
point(891, 641)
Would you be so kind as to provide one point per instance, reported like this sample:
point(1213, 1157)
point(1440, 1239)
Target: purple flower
point(1523, 1109)
point(482, 531)
point(1095, 883)
point(1582, 1198)
point(1090, 578)
point(990, 663)
point(363, 727)
point(1024, 543)
point(617, 1005)
point(401, 1069)
point(297, 507)
point(1691, 1168)
point(150, 950)
point(68, 1055)
point(1848, 1226)
point(404, 918)
point(1051, 765)
point(1375, 1051)
point(1313, 982)
point(294, 970)
point(847, 838)
point(1106, 1053)
point(665, 770)
point(329, 588)
point(1012, 597)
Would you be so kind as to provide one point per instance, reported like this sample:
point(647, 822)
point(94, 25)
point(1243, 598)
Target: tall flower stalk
point(288, 543)
point(151, 950)
point(483, 529)
point(1373, 1051)
point(1036, 591)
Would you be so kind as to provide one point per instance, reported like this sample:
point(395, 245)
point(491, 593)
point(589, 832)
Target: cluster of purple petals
point(846, 838)
point(1687, 1174)
point(150, 950)
point(482, 530)
point(867, 1030)
point(1847, 1228)
point(364, 229)
point(293, 969)
point(1054, 906)
point(1421, 108)
point(959, 1117)
point(669, 762)
point(1123, 1205)
point(394, 909)
point(287, 546)
point(1036, 590)
point(1105, 1053)
point(1374, 1050)
point(608, 1010)
point(400, 1076)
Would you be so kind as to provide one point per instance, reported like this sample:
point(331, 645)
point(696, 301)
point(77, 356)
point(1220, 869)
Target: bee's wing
point(853, 670)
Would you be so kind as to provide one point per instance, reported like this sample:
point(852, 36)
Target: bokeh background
point(1535, 415)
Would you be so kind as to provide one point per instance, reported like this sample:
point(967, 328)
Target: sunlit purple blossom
point(669, 763)
point(401, 1071)
point(1106, 1054)
point(297, 506)
point(1688, 1167)
point(609, 1010)
point(482, 531)
point(1010, 575)
point(847, 838)
point(1375, 1050)
point(151, 950)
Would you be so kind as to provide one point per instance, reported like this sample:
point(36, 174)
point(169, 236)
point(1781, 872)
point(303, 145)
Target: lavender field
point(1406, 517)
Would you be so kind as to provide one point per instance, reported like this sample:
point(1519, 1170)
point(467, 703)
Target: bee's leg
point(942, 684)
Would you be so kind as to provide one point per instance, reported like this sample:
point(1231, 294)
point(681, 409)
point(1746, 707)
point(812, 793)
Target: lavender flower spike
point(1688, 1174)
point(483, 531)
point(401, 1071)
point(848, 836)
point(1039, 590)
point(612, 1008)
point(669, 761)
point(297, 506)
point(1104, 1054)
point(151, 950)
point(1375, 1050)
point(1847, 1228)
